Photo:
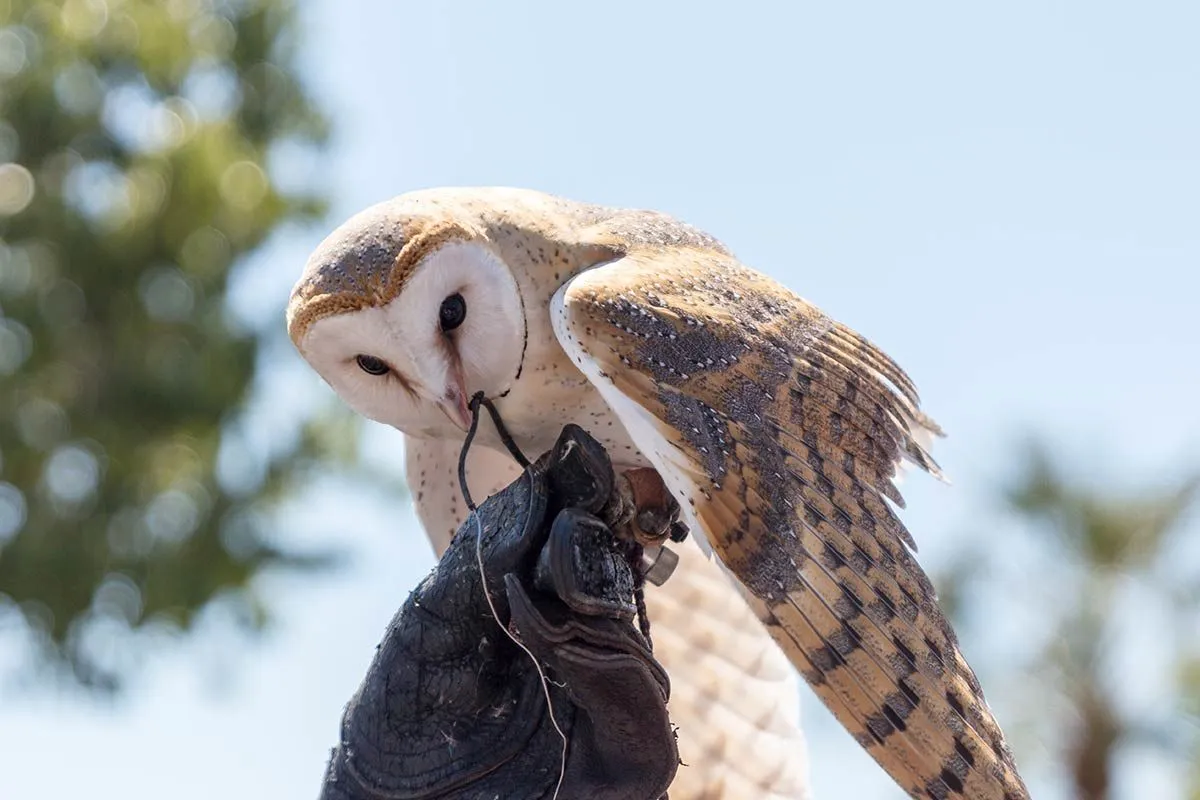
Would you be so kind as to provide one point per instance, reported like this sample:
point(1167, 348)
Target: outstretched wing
point(780, 431)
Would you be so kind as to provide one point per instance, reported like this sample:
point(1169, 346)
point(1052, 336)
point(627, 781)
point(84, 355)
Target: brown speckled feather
point(781, 431)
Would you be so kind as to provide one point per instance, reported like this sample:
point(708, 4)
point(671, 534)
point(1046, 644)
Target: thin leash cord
point(476, 401)
point(505, 437)
point(633, 557)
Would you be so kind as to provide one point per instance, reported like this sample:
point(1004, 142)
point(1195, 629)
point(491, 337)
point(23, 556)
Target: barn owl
point(779, 430)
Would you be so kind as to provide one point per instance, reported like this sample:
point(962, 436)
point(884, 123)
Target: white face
point(456, 328)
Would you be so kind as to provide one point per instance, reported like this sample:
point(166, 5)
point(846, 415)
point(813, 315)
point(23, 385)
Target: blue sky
point(1006, 198)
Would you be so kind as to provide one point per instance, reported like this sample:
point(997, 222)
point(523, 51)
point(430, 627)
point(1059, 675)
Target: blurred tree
point(1101, 572)
point(136, 138)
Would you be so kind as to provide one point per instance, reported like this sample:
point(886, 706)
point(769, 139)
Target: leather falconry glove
point(451, 707)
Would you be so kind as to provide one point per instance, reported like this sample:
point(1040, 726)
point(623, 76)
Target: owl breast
point(550, 393)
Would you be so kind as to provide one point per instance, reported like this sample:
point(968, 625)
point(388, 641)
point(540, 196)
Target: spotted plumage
point(779, 429)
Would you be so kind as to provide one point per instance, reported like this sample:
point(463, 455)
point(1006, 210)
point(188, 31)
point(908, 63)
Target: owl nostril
point(455, 406)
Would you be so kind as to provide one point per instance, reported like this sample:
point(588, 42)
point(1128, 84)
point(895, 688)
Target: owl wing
point(780, 431)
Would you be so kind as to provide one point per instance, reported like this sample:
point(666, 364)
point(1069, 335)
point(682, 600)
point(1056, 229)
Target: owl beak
point(454, 405)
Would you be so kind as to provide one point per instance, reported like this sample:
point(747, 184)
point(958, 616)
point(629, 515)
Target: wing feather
point(904, 635)
point(855, 345)
point(782, 432)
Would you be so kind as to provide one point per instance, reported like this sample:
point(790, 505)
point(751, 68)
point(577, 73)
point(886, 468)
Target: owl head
point(406, 311)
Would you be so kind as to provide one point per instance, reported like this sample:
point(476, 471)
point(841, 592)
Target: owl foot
point(648, 512)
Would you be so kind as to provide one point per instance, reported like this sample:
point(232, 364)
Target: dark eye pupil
point(372, 365)
point(453, 312)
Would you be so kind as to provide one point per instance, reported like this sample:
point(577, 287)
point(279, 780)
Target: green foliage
point(135, 143)
point(1189, 681)
point(1097, 556)
point(1099, 530)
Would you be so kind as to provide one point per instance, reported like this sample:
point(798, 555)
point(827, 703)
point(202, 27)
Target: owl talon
point(652, 510)
point(651, 522)
point(580, 472)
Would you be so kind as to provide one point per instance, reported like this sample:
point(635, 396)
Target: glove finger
point(622, 745)
point(579, 471)
point(546, 625)
point(581, 565)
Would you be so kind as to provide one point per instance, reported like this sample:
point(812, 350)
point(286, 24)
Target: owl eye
point(372, 365)
point(452, 313)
